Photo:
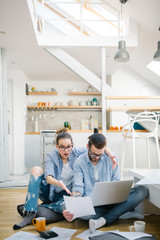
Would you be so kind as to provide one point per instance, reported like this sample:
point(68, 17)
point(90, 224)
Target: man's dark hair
point(97, 139)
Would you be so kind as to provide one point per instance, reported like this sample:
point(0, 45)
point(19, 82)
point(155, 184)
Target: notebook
point(105, 193)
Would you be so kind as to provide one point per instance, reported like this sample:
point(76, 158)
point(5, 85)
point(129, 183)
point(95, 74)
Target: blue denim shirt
point(84, 173)
point(54, 165)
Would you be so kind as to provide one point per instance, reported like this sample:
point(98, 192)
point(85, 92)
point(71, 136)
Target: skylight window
point(154, 67)
point(77, 17)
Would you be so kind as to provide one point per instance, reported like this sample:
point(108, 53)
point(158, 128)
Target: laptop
point(105, 193)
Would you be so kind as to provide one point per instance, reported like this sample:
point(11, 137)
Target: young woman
point(55, 182)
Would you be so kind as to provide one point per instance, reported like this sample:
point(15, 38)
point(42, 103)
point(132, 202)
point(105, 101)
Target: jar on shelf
point(89, 103)
point(33, 89)
point(94, 102)
point(90, 89)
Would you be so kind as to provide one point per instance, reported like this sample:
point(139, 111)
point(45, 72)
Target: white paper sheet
point(79, 206)
point(63, 233)
point(148, 180)
point(24, 236)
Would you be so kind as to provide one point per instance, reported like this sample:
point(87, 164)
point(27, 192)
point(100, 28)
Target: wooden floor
point(10, 198)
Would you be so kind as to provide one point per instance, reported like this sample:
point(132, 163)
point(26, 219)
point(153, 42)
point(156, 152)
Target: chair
point(148, 120)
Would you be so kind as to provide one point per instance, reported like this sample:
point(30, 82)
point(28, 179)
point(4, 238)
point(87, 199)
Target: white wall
point(19, 80)
point(125, 82)
point(62, 87)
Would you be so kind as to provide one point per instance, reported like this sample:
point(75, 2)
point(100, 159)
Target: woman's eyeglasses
point(63, 148)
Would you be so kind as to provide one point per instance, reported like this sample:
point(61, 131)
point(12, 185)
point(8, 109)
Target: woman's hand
point(62, 185)
point(114, 162)
point(68, 216)
point(51, 180)
point(112, 157)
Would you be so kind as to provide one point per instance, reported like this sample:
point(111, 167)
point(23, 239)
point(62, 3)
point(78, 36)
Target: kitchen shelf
point(85, 93)
point(128, 108)
point(132, 97)
point(78, 107)
point(42, 93)
point(64, 107)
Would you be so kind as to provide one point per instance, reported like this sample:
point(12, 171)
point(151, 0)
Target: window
point(77, 17)
point(154, 67)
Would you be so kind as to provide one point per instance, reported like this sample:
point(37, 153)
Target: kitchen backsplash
point(37, 120)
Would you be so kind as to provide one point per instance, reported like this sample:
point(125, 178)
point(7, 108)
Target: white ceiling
point(24, 54)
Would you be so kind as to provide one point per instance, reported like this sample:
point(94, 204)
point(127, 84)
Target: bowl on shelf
point(57, 104)
point(82, 103)
point(73, 90)
point(73, 103)
point(64, 104)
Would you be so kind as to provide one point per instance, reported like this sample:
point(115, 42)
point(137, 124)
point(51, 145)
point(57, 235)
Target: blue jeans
point(38, 188)
point(58, 205)
point(112, 212)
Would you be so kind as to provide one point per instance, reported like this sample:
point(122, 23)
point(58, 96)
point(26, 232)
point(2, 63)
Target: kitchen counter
point(84, 131)
point(76, 131)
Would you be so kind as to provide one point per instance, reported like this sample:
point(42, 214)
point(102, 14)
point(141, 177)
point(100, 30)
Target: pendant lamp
point(157, 54)
point(121, 55)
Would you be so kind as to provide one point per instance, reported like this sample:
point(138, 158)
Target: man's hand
point(62, 185)
point(68, 216)
point(76, 194)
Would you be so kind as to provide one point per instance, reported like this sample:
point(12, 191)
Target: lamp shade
point(157, 54)
point(121, 55)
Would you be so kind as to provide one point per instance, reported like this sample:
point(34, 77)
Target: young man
point(94, 166)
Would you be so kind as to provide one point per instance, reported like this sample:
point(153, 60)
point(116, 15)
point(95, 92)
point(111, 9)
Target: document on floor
point(149, 180)
point(63, 233)
point(79, 206)
point(24, 236)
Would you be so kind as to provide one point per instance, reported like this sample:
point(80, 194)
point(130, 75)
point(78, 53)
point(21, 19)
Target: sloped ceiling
point(24, 54)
